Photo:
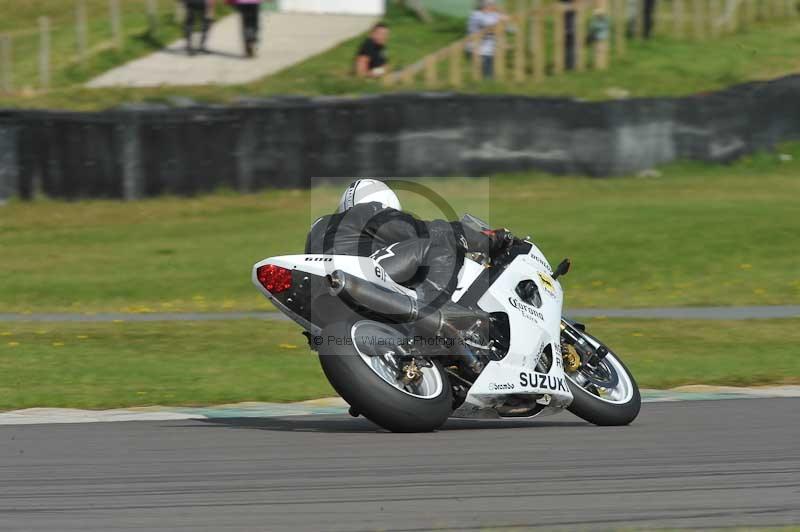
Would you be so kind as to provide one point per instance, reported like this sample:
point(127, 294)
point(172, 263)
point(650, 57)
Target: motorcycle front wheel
point(366, 362)
point(606, 395)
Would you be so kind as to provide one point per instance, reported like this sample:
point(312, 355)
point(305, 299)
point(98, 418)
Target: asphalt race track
point(683, 464)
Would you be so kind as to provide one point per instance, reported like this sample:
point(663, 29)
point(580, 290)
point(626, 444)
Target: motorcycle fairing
point(320, 266)
point(532, 331)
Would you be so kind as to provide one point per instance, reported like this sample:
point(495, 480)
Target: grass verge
point(698, 235)
point(197, 363)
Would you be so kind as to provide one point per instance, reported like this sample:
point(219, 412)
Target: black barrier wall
point(151, 150)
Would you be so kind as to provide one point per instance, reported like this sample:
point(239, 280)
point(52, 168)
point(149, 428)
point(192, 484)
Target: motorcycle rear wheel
point(618, 404)
point(360, 360)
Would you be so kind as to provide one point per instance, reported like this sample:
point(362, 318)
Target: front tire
point(620, 407)
point(345, 363)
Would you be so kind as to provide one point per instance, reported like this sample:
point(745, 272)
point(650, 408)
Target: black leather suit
point(423, 255)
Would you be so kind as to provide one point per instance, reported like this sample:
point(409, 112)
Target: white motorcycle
point(398, 367)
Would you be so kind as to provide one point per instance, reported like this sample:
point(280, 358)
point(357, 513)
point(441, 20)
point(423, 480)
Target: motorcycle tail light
point(274, 278)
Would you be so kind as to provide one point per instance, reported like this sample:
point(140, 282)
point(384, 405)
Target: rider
point(423, 255)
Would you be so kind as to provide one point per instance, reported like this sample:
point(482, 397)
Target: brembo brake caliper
point(572, 360)
point(411, 373)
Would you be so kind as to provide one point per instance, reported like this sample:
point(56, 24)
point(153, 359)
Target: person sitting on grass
point(371, 58)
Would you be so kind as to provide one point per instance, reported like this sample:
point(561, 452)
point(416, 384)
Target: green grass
point(19, 17)
point(123, 364)
point(721, 235)
point(193, 363)
point(661, 67)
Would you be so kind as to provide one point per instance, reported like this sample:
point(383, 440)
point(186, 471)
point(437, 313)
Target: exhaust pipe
point(363, 296)
point(359, 294)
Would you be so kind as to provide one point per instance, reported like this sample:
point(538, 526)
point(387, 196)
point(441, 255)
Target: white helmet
point(366, 191)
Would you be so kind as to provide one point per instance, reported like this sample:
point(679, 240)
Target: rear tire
point(373, 397)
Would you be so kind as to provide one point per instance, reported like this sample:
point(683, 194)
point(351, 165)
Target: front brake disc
point(601, 376)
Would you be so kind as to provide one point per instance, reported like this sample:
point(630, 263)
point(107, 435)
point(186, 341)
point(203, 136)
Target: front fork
point(572, 335)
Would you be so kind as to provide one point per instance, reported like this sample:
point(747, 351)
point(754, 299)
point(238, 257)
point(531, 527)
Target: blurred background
point(652, 141)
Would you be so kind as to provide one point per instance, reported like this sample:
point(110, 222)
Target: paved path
point(287, 38)
point(674, 313)
point(707, 464)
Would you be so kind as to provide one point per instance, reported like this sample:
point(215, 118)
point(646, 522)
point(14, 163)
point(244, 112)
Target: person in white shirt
point(485, 16)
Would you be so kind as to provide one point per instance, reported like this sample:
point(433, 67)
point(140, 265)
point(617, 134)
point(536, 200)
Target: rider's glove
point(501, 240)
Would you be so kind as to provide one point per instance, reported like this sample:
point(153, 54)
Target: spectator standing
point(250, 10)
point(569, 37)
point(486, 15)
point(631, 15)
point(649, 10)
point(197, 11)
point(371, 57)
point(599, 27)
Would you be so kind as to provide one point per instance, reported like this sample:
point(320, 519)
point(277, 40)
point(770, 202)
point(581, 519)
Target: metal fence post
point(558, 39)
point(500, 52)
point(6, 69)
point(116, 23)
point(735, 13)
point(431, 71)
point(699, 16)
point(81, 29)
point(537, 43)
point(44, 52)
point(475, 63)
point(179, 14)
point(519, 48)
point(580, 39)
point(456, 68)
point(677, 18)
point(619, 20)
point(714, 17)
point(152, 16)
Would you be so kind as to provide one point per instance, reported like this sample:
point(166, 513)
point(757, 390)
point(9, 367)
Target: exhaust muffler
point(368, 298)
point(447, 321)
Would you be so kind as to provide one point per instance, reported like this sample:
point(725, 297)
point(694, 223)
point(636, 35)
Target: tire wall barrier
point(148, 150)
